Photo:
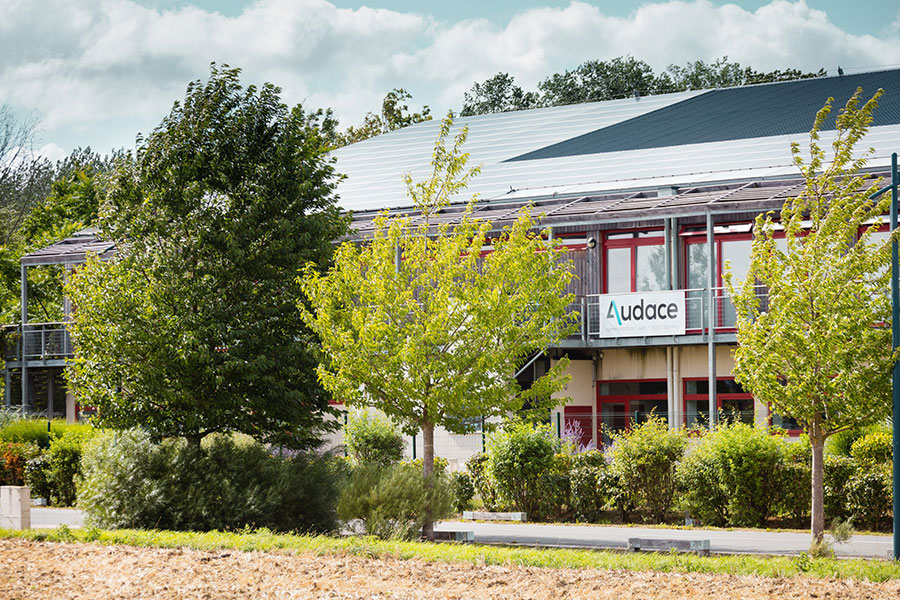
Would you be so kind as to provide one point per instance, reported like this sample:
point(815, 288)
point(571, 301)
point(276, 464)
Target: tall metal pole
point(711, 318)
point(26, 406)
point(895, 335)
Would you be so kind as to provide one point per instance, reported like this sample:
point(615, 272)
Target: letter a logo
point(613, 312)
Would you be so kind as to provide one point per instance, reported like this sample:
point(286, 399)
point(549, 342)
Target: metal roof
point(375, 167)
point(71, 251)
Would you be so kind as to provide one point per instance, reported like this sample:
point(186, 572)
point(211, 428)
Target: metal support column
point(7, 388)
point(895, 336)
point(50, 392)
point(26, 405)
point(711, 317)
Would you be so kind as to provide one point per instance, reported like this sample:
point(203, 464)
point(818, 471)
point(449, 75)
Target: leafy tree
point(596, 80)
point(193, 327)
point(394, 115)
point(816, 350)
point(498, 94)
point(699, 75)
point(415, 323)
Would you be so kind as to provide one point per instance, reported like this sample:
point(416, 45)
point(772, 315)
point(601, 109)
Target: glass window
point(737, 254)
point(650, 268)
point(618, 270)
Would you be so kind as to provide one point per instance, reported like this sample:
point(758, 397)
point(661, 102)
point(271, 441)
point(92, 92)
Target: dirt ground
point(44, 570)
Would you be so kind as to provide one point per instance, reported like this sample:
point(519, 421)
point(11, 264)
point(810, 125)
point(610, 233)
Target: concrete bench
point(701, 547)
point(478, 515)
point(464, 537)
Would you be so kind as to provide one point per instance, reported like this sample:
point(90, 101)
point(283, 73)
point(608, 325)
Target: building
point(653, 195)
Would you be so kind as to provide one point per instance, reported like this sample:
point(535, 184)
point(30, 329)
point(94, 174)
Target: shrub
point(869, 496)
point(520, 455)
point(128, 481)
point(839, 444)
point(440, 464)
point(735, 475)
point(372, 438)
point(644, 460)
point(36, 470)
point(590, 485)
point(463, 490)
point(872, 449)
point(64, 467)
point(555, 491)
point(390, 502)
point(30, 431)
point(795, 475)
point(13, 458)
point(837, 473)
point(478, 467)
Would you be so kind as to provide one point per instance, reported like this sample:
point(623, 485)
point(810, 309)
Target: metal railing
point(39, 341)
point(696, 312)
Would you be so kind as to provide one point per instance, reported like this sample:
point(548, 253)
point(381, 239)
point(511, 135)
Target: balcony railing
point(40, 341)
point(696, 313)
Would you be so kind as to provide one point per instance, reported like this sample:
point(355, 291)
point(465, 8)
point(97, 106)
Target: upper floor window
point(634, 261)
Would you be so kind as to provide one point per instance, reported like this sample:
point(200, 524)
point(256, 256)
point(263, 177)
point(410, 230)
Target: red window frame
point(705, 397)
point(631, 243)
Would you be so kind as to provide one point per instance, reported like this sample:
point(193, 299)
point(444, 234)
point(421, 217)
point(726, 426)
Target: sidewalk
point(596, 536)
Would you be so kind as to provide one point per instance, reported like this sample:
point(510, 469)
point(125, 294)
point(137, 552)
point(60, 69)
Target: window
point(625, 403)
point(733, 243)
point(732, 401)
point(634, 262)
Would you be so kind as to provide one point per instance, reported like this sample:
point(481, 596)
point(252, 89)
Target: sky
point(98, 72)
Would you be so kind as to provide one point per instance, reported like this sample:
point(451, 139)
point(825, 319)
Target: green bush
point(373, 439)
point(872, 449)
point(736, 475)
point(390, 502)
point(869, 496)
point(64, 468)
point(478, 467)
point(644, 460)
point(837, 473)
point(839, 444)
point(520, 456)
point(13, 458)
point(556, 491)
point(30, 431)
point(128, 481)
point(795, 477)
point(440, 465)
point(36, 470)
point(463, 490)
point(590, 485)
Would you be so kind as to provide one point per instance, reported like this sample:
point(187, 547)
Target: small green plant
point(872, 449)
point(391, 502)
point(36, 470)
point(14, 456)
point(32, 431)
point(463, 490)
point(373, 439)
point(519, 456)
point(869, 496)
point(644, 460)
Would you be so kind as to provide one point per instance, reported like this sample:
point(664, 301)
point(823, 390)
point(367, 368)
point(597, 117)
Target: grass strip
point(263, 541)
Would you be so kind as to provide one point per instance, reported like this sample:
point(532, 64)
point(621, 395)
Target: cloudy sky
point(97, 72)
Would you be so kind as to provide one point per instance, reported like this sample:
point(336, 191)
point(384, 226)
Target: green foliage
point(372, 439)
point(521, 455)
point(837, 473)
point(478, 467)
point(840, 443)
point(212, 217)
point(392, 502)
point(590, 485)
point(395, 114)
point(36, 471)
point(463, 490)
point(643, 460)
point(131, 482)
point(13, 458)
point(869, 496)
point(795, 497)
point(34, 431)
point(64, 467)
point(498, 94)
point(873, 449)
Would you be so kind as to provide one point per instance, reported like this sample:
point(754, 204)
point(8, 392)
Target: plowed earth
point(45, 570)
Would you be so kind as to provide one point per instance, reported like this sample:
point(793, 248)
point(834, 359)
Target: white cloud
point(93, 66)
point(52, 152)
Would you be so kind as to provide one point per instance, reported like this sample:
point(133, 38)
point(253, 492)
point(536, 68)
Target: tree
point(498, 94)
point(596, 80)
point(394, 115)
point(816, 349)
point(193, 327)
point(699, 75)
point(416, 323)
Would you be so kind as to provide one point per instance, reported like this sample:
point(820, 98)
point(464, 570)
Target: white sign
point(642, 314)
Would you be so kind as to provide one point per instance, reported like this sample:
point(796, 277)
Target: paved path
point(595, 536)
point(721, 541)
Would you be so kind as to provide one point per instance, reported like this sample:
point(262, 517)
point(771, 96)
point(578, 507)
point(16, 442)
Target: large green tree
point(415, 322)
point(193, 327)
point(815, 347)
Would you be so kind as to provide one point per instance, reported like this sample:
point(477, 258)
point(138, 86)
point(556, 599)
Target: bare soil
point(45, 570)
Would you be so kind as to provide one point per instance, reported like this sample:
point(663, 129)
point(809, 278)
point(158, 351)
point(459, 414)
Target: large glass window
point(732, 248)
point(732, 401)
point(626, 403)
point(634, 262)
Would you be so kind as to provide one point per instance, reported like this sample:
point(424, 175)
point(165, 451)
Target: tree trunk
point(817, 441)
point(428, 471)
